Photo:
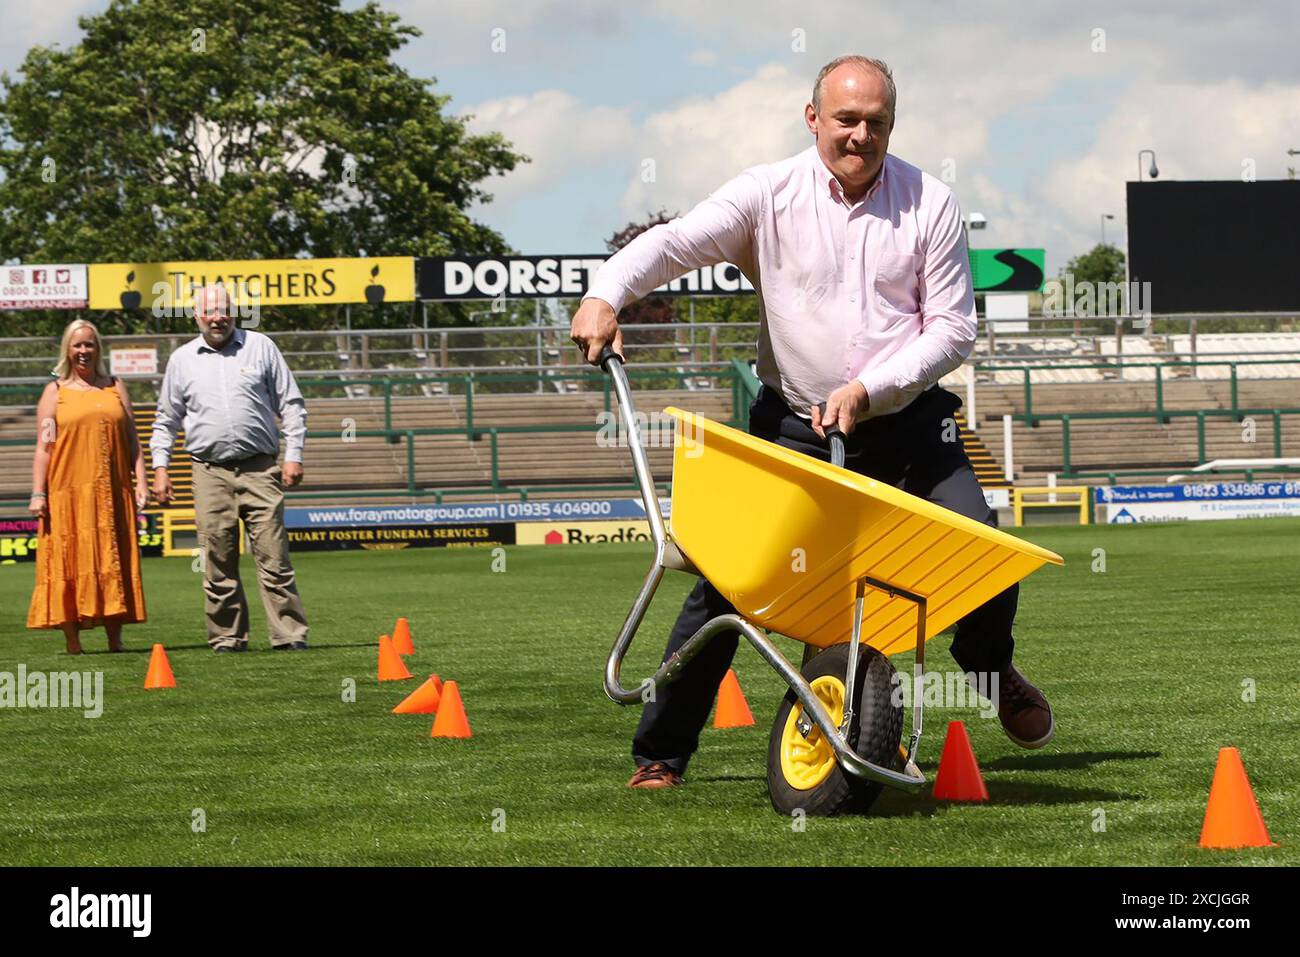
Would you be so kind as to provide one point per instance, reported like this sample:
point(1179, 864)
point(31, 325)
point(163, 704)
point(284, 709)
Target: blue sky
point(1039, 109)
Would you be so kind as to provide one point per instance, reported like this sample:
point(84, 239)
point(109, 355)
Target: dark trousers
point(918, 450)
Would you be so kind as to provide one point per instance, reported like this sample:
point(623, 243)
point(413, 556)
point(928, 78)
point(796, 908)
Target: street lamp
point(1104, 217)
point(974, 221)
point(1153, 172)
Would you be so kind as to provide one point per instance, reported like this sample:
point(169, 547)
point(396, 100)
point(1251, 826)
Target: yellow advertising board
point(267, 282)
point(580, 533)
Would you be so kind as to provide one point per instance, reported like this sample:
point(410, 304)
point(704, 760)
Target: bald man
point(225, 388)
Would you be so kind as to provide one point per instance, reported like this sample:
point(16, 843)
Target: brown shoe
point(656, 774)
point(1023, 710)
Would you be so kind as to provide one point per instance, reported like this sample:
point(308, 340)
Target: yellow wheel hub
point(807, 762)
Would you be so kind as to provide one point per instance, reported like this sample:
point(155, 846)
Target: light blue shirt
point(227, 400)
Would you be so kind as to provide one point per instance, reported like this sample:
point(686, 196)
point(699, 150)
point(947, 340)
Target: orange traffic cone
point(402, 637)
point(451, 721)
point(959, 777)
point(391, 666)
point(160, 670)
point(1232, 817)
point(732, 710)
point(423, 700)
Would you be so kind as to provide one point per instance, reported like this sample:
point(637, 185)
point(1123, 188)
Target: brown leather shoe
point(1023, 710)
point(656, 774)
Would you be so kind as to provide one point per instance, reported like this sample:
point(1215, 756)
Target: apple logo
point(374, 292)
point(130, 298)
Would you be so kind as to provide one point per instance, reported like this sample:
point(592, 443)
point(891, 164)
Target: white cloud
point(1042, 131)
point(462, 32)
point(702, 143)
point(1199, 131)
point(557, 132)
point(54, 23)
point(1012, 220)
point(957, 76)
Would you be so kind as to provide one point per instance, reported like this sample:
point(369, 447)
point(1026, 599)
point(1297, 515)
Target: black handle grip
point(606, 353)
point(835, 436)
point(829, 429)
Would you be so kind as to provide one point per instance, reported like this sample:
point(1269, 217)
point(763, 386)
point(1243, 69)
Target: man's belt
point(233, 463)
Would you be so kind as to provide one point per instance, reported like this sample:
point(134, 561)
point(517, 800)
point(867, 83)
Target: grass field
point(1144, 664)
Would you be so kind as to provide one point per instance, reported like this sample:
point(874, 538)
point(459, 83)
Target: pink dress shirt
point(878, 290)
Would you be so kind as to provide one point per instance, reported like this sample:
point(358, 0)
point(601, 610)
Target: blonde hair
point(63, 370)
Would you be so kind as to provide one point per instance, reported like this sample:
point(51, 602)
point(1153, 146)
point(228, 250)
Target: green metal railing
point(744, 390)
point(1032, 418)
point(469, 383)
point(1201, 415)
point(1160, 413)
point(475, 433)
point(470, 431)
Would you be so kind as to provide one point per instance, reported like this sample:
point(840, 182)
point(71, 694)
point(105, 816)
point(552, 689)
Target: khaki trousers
point(249, 490)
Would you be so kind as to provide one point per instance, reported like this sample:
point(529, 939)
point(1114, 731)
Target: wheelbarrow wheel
point(802, 773)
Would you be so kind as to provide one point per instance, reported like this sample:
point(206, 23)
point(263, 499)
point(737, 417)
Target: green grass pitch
point(1144, 664)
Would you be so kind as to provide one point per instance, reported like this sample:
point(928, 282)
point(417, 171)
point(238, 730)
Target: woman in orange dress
point(87, 552)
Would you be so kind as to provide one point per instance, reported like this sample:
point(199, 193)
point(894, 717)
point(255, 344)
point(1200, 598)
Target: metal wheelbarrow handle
point(612, 363)
point(667, 555)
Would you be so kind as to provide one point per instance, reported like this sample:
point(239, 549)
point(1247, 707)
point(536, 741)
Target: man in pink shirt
point(866, 301)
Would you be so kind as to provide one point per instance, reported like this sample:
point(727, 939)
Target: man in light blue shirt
point(225, 388)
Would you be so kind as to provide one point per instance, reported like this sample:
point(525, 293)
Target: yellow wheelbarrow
point(828, 557)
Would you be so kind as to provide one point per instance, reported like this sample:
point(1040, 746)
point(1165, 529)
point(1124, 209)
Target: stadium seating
point(547, 442)
point(1138, 442)
point(523, 458)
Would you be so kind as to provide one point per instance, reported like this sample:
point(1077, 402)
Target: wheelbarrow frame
point(668, 556)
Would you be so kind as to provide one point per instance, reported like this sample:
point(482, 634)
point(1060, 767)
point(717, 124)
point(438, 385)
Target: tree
point(236, 129)
point(1102, 263)
point(652, 309)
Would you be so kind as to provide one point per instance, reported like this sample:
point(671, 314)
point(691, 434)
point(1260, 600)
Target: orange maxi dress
point(87, 552)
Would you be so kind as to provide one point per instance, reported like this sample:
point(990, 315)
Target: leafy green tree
point(1102, 263)
point(237, 129)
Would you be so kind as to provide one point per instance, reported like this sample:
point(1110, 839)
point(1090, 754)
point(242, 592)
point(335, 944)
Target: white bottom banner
point(1133, 512)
